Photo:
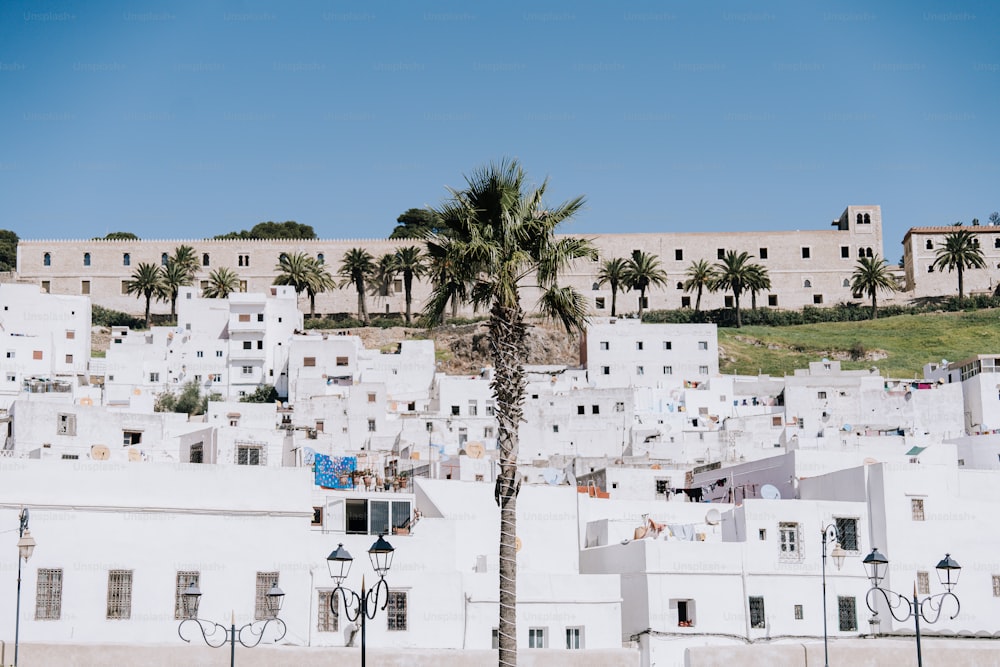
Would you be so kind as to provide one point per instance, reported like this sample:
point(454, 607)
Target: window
point(821, 395)
point(620, 406)
point(126, 259)
point(668, 345)
point(847, 614)
point(247, 370)
point(847, 529)
point(703, 370)
point(249, 455)
point(923, 583)
point(66, 424)
point(396, 611)
point(762, 534)
point(536, 638)
point(662, 487)
point(184, 579)
point(703, 345)
point(605, 370)
point(574, 638)
point(720, 253)
point(788, 534)
point(638, 345)
point(555, 428)
point(48, 596)
point(845, 252)
point(309, 362)
point(321, 258)
point(119, 594)
point(490, 409)
point(805, 253)
point(685, 613)
point(599, 303)
point(807, 283)
point(46, 286)
point(495, 643)
point(265, 582)
point(327, 618)
point(243, 286)
point(36, 355)
point(197, 453)
point(604, 345)
point(130, 438)
point(218, 353)
point(996, 586)
point(772, 300)
point(757, 613)
point(371, 425)
point(154, 377)
point(473, 408)
point(204, 259)
point(342, 361)
point(47, 259)
point(685, 302)
point(639, 370)
point(917, 509)
point(762, 253)
point(798, 612)
point(247, 344)
point(581, 410)
point(244, 317)
point(595, 409)
point(84, 287)
point(371, 397)
point(678, 254)
point(817, 298)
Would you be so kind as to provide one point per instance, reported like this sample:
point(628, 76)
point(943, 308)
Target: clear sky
point(189, 119)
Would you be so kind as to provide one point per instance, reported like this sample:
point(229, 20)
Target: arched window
point(321, 258)
point(847, 283)
point(868, 219)
point(860, 219)
point(996, 242)
point(86, 259)
point(164, 258)
point(868, 252)
point(861, 252)
point(595, 287)
point(126, 259)
point(47, 259)
point(680, 285)
point(929, 245)
point(204, 259)
point(807, 283)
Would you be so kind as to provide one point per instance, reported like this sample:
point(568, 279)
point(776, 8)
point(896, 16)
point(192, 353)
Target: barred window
point(396, 611)
point(265, 581)
point(249, 456)
point(996, 586)
point(119, 594)
point(847, 613)
point(184, 579)
point(48, 598)
point(847, 531)
point(788, 534)
point(798, 612)
point(327, 619)
point(923, 583)
point(917, 509)
point(757, 613)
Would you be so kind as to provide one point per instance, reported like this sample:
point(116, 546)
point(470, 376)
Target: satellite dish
point(870, 461)
point(134, 455)
point(474, 450)
point(712, 517)
point(848, 427)
point(770, 492)
point(100, 453)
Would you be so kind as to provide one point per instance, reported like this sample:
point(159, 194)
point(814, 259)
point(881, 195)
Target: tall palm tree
point(147, 282)
point(185, 256)
point(173, 277)
point(356, 267)
point(960, 250)
point(642, 271)
point(383, 275)
point(320, 281)
point(871, 275)
point(504, 234)
point(732, 274)
point(410, 261)
point(221, 283)
point(613, 273)
point(759, 281)
point(699, 278)
point(294, 269)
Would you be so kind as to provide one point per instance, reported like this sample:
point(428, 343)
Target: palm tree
point(504, 235)
point(356, 267)
point(173, 277)
point(613, 273)
point(960, 250)
point(699, 278)
point(758, 281)
point(383, 275)
point(643, 271)
point(146, 281)
point(320, 281)
point(221, 283)
point(871, 275)
point(186, 257)
point(294, 269)
point(410, 262)
point(733, 274)
point(444, 267)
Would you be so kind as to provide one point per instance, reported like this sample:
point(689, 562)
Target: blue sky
point(185, 120)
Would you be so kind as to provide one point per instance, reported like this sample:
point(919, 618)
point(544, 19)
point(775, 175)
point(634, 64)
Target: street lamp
point(217, 635)
point(948, 571)
point(363, 605)
point(830, 536)
point(25, 547)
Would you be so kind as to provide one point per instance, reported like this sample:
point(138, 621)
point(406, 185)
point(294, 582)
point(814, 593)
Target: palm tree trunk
point(961, 286)
point(362, 307)
point(642, 300)
point(148, 296)
point(508, 351)
point(408, 287)
point(736, 302)
point(173, 306)
point(874, 307)
point(614, 299)
point(697, 302)
point(312, 306)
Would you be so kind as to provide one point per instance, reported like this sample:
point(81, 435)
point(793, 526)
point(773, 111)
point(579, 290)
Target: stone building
point(919, 246)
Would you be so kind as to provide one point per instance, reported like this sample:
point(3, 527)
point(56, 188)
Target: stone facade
point(809, 267)
point(919, 247)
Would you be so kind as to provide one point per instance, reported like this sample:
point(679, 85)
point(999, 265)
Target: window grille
point(265, 582)
point(847, 614)
point(119, 594)
point(396, 611)
point(757, 613)
point(48, 598)
point(184, 579)
point(328, 620)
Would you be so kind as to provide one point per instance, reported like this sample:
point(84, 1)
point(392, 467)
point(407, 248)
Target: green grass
point(908, 341)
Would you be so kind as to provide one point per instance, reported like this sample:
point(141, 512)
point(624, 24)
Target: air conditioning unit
point(311, 434)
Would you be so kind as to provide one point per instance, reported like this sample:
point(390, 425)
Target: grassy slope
point(910, 341)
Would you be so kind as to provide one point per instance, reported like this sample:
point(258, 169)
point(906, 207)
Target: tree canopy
point(272, 230)
point(8, 250)
point(416, 223)
point(118, 236)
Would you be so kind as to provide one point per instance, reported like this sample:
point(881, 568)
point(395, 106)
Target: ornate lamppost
point(948, 572)
point(25, 547)
point(217, 635)
point(363, 605)
point(830, 536)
